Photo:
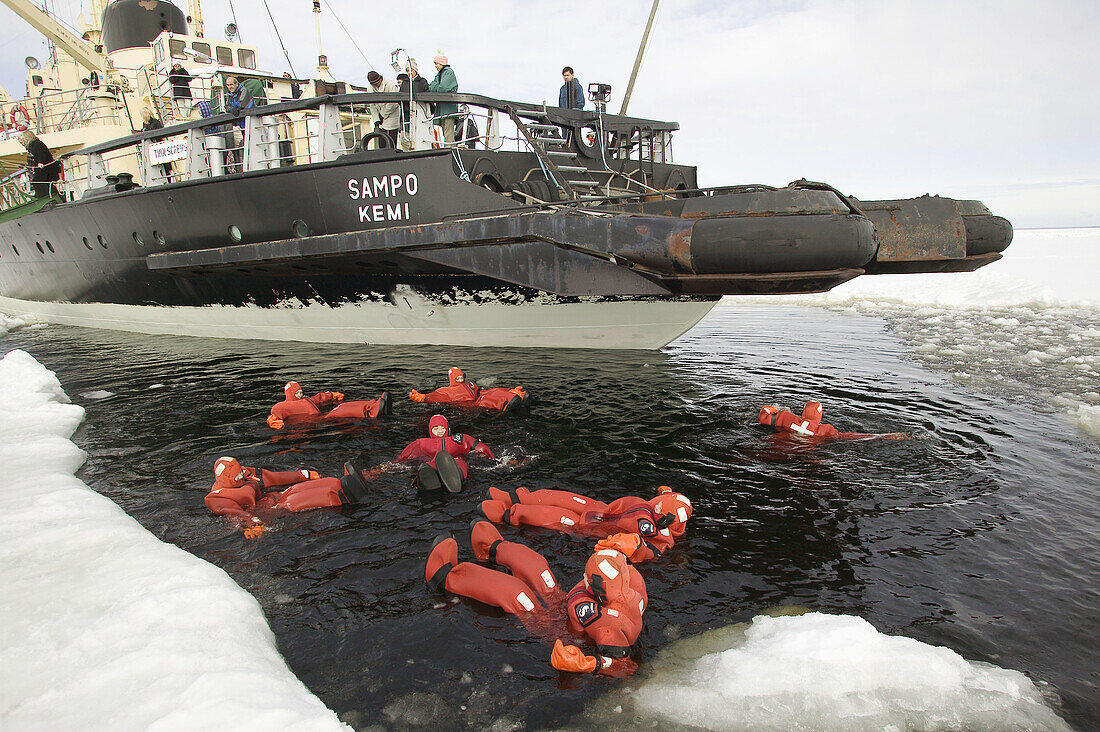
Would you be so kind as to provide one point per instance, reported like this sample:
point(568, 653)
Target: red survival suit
point(426, 448)
point(810, 424)
point(606, 606)
point(298, 408)
point(464, 394)
point(238, 490)
point(658, 522)
point(531, 592)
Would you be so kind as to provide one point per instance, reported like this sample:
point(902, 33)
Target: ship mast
point(194, 20)
point(81, 52)
point(638, 59)
point(322, 60)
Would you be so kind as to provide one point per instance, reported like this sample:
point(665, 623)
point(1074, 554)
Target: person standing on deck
point(43, 169)
point(571, 94)
point(386, 115)
point(445, 82)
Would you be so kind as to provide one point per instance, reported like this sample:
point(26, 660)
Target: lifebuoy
point(20, 111)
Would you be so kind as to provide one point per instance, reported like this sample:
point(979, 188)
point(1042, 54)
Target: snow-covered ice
point(832, 672)
point(102, 625)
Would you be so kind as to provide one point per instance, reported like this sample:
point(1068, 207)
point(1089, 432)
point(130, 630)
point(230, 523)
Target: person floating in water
point(323, 405)
point(606, 606)
point(239, 492)
point(657, 522)
point(809, 425)
point(441, 456)
point(463, 393)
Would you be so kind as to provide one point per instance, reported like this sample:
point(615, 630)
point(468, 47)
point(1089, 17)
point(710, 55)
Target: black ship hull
point(387, 247)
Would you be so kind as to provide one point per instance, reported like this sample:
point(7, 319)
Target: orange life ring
point(17, 111)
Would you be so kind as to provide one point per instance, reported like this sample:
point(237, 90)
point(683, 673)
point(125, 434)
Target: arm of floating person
point(476, 445)
point(224, 506)
point(573, 659)
point(273, 478)
point(412, 451)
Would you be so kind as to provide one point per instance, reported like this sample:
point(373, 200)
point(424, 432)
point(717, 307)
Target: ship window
point(235, 233)
point(225, 56)
point(175, 47)
point(137, 240)
point(159, 237)
point(39, 245)
point(246, 58)
point(299, 229)
point(204, 49)
point(102, 241)
point(50, 246)
point(36, 80)
point(86, 244)
point(158, 52)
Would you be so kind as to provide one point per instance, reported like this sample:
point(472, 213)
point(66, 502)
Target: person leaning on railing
point(386, 115)
point(181, 89)
point(44, 170)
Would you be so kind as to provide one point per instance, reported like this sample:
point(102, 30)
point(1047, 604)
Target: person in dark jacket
point(417, 84)
point(44, 170)
point(445, 82)
point(181, 89)
point(571, 94)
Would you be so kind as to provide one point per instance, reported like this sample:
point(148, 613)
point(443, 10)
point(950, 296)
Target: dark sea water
point(979, 534)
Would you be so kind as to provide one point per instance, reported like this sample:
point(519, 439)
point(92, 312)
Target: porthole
point(86, 244)
point(235, 233)
point(159, 238)
point(102, 241)
point(50, 247)
point(138, 240)
point(299, 229)
point(39, 245)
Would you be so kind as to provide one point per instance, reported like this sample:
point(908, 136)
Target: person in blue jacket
point(571, 95)
point(237, 99)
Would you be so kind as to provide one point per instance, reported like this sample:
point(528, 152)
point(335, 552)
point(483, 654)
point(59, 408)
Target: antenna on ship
point(638, 59)
point(322, 59)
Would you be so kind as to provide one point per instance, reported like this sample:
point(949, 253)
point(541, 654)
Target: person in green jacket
point(445, 81)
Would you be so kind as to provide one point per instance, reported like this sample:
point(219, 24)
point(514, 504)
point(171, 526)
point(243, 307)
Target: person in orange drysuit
point(657, 522)
point(298, 408)
point(810, 424)
point(441, 454)
point(239, 491)
point(465, 394)
point(606, 606)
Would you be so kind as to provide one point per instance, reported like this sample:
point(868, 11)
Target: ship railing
point(57, 110)
point(13, 189)
point(321, 129)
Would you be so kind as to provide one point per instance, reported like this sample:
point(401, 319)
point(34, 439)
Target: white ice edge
point(837, 672)
point(102, 625)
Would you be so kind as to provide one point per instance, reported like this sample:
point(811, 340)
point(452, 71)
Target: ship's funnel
point(136, 23)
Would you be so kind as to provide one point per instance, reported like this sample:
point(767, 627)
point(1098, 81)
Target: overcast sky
point(996, 100)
